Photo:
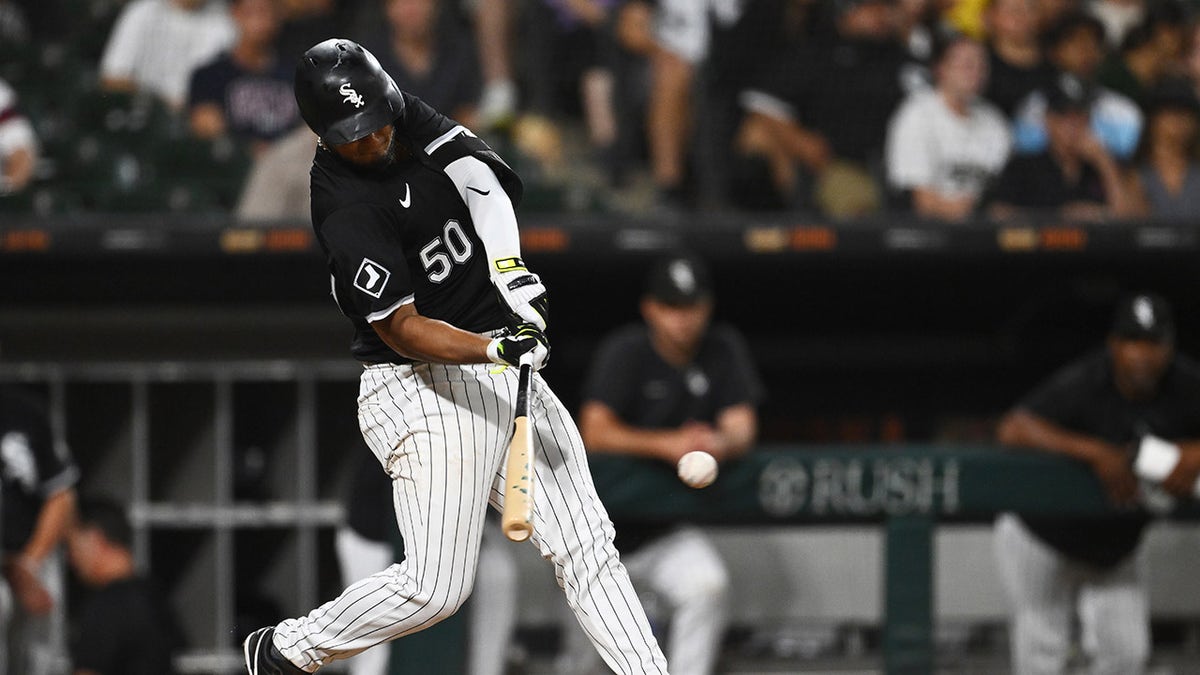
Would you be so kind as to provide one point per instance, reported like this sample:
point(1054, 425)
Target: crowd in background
point(946, 109)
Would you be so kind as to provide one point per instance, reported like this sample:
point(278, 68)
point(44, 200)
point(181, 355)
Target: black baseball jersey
point(1083, 398)
point(126, 628)
point(645, 391)
point(32, 466)
point(405, 234)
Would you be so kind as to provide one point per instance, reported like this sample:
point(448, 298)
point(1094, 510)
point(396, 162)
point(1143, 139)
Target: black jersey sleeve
point(438, 141)
point(55, 468)
point(1065, 396)
point(370, 276)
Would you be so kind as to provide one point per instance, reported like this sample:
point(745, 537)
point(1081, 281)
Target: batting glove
point(525, 295)
point(528, 339)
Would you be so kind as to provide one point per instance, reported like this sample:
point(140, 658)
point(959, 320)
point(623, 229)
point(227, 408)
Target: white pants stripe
point(442, 432)
point(1048, 591)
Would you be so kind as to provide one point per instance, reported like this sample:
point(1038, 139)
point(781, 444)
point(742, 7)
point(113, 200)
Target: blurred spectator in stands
point(493, 31)
point(819, 115)
point(1149, 52)
point(18, 144)
point(278, 185)
point(1075, 176)
point(944, 146)
point(37, 481)
point(765, 29)
point(964, 17)
point(1014, 54)
point(14, 28)
point(366, 543)
point(125, 626)
point(1050, 11)
point(676, 37)
point(1075, 46)
point(918, 28)
point(1117, 17)
point(1168, 179)
point(430, 58)
point(573, 37)
point(305, 23)
point(1062, 570)
point(156, 44)
point(658, 391)
point(246, 92)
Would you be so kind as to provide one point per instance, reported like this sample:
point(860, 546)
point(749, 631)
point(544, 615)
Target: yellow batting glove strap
point(513, 264)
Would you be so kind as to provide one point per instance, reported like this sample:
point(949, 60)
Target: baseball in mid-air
point(697, 469)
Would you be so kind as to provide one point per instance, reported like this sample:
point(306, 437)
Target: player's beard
point(388, 158)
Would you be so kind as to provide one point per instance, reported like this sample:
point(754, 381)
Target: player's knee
point(446, 603)
point(712, 584)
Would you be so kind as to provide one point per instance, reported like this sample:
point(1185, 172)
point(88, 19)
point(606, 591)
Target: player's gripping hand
point(528, 339)
point(525, 295)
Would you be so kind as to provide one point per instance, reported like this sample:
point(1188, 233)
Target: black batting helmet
point(343, 92)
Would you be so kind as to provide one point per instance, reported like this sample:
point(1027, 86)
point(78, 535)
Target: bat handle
point(517, 520)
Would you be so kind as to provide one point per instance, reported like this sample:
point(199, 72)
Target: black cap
point(1144, 316)
point(1069, 94)
point(680, 280)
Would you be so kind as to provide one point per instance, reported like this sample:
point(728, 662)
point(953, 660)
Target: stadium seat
point(217, 167)
point(139, 120)
point(103, 170)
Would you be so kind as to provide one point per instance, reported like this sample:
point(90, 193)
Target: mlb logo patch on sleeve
point(371, 278)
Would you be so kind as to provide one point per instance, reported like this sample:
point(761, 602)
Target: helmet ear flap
point(343, 93)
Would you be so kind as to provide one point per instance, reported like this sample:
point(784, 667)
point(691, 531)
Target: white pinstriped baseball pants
point(442, 433)
point(685, 570)
point(1047, 590)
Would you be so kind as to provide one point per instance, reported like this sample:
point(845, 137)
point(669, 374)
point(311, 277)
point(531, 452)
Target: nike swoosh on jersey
point(407, 197)
point(482, 192)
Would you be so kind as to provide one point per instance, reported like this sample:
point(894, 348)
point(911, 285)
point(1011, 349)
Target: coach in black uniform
point(416, 217)
point(1096, 409)
point(659, 390)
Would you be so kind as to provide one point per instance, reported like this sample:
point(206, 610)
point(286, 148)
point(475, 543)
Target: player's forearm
point(604, 432)
point(1121, 201)
point(738, 429)
point(52, 523)
point(1023, 428)
point(18, 170)
point(424, 339)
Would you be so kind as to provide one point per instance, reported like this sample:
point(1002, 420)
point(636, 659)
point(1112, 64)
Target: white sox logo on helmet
point(351, 95)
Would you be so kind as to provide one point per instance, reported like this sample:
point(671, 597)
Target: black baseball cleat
point(262, 658)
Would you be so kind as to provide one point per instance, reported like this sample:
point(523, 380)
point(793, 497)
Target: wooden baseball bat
point(517, 519)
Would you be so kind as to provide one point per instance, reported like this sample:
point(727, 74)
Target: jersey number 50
point(458, 248)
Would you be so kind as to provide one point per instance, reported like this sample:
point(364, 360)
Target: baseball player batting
point(415, 215)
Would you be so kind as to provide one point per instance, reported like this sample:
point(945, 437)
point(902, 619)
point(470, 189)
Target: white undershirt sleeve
point(491, 210)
